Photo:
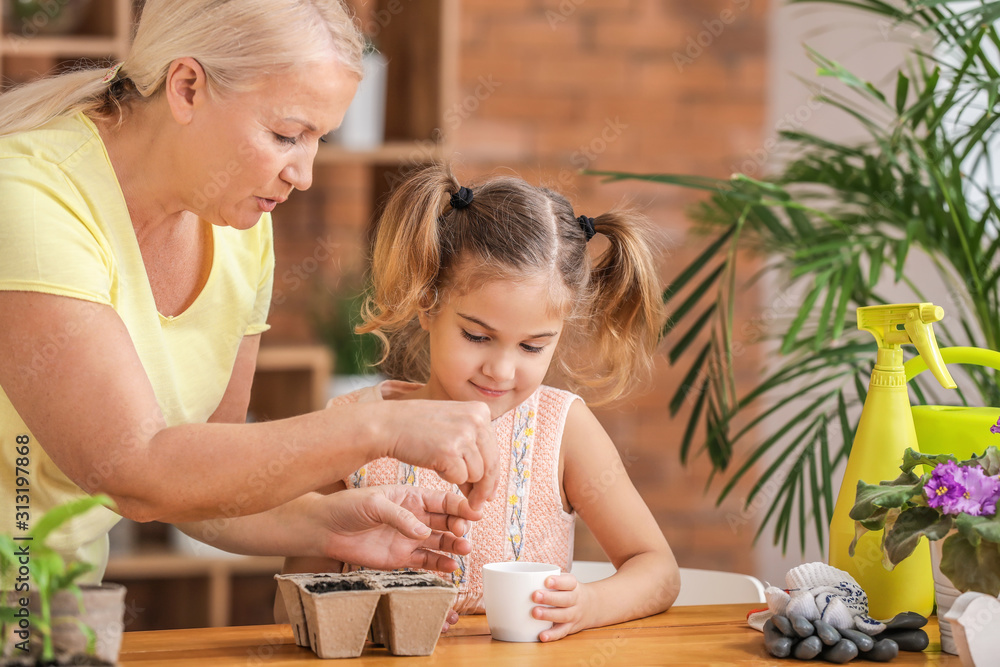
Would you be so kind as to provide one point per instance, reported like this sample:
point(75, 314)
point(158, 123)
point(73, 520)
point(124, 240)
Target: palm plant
point(835, 221)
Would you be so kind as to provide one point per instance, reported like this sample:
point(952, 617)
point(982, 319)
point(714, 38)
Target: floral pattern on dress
point(407, 474)
point(519, 481)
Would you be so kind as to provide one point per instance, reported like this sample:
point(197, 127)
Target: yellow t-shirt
point(65, 230)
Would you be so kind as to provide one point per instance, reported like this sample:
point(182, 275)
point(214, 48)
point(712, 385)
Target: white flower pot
point(945, 595)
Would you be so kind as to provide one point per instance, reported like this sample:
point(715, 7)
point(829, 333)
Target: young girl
point(481, 294)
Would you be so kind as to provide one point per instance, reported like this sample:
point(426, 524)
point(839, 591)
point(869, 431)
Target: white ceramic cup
point(507, 589)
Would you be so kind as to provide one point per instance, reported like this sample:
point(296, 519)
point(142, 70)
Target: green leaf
point(989, 461)
point(680, 346)
point(912, 458)
point(693, 299)
point(969, 567)
point(689, 383)
point(805, 310)
point(817, 486)
point(979, 528)
point(74, 571)
point(828, 67)
point(869, 497)
point(909, 527)
point(823, 320)
point(826, 471)
point(859, 531)
point(846, 430)
point(695, 266)
point(60, 514)
point(902, 88)
point(902, 250)
point(846, 293)
point(692, 424)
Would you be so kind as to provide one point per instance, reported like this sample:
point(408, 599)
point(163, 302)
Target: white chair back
point(697, 586)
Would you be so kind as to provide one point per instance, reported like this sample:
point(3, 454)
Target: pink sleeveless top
point(526, 520)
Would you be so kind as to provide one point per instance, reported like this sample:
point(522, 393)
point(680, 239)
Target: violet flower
point(946, 488)
point(981, 492)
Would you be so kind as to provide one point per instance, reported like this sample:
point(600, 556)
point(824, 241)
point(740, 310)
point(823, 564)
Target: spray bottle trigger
point(921, 332)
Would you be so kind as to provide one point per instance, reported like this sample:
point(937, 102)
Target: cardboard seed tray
point(333, 613)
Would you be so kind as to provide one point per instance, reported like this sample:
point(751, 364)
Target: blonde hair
point(235, 41)
point(513, 230)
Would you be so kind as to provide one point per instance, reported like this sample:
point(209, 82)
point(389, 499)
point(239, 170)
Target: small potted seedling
point(46, 618)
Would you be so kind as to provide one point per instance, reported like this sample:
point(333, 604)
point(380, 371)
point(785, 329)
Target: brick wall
point(549, 87)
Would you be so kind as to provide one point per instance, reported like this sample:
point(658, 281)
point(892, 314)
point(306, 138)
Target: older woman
point(135, 278)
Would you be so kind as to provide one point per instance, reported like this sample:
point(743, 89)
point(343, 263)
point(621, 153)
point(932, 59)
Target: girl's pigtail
point(626, 306)
point(406, 260)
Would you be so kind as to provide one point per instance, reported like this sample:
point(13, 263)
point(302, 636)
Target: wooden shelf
point(58, 47)
point(289, 381)
point(104, 36)
point(219, 579)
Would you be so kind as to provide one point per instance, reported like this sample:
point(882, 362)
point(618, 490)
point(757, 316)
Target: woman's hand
point(568, 602)
point(387, 527)
point(454, 439)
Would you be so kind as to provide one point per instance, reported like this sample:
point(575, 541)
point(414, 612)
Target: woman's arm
point(93, 409)
point(382, 527)
point(597, 486)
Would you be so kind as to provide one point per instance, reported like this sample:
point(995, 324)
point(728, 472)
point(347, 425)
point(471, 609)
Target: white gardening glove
point(819, 591)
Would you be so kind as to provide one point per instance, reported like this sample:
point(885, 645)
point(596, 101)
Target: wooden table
point(709, 635)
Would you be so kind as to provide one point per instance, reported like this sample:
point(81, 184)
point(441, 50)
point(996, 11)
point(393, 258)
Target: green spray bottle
point(884, 433)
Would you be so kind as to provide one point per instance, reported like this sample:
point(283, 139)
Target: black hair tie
point(587, 225)
point(462, 198)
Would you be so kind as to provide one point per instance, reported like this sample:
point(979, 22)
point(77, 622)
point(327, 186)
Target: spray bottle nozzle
point(908, 323)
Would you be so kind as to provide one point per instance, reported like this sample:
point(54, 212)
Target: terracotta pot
point(945, 595)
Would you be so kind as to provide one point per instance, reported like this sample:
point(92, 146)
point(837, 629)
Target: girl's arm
point(597, 486)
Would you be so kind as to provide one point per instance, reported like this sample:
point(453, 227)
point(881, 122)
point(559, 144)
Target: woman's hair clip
point(112, 73)
point(462, 198)
point(587, 225)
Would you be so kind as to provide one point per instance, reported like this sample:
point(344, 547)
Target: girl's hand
point(568, 602)
point(450, 620)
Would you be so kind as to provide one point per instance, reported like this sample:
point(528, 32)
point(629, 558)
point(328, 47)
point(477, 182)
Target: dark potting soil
point(338, 585)
point(408, 584)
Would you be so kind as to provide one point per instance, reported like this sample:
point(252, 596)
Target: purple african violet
point(955, 489)
point(946, 489)
point(981, 492)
